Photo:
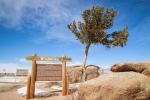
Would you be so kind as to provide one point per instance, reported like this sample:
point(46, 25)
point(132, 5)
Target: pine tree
point(93, 30)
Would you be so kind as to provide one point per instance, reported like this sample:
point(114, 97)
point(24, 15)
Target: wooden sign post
point(33, 77)
point(28, 87)
point(64, 78)
point(51, 72)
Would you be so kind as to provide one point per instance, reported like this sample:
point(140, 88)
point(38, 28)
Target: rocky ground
point(116, 86)
point(127, 81)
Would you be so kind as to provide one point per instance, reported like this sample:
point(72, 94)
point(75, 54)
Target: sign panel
point(49, 72)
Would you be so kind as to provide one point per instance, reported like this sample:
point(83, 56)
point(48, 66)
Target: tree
point(93, 30)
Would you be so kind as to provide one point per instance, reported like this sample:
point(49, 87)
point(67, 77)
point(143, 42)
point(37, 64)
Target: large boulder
point(141, 67)
point(116, 86)
point(75, 73)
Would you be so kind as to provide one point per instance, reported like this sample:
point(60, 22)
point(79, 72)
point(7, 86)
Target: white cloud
point(38, 14)
point(22, 60)
point(58, 33)
point(21, 63)
point(12, 11)
point(10, 67)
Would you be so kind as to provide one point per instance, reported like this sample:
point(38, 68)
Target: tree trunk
point(84, 62)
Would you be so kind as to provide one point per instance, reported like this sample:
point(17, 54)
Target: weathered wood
point(28, 87)
point(67, 82)
point(64, 78)
point(49, 72)
point(50, 77)
point(47, 58)
point(33, 79)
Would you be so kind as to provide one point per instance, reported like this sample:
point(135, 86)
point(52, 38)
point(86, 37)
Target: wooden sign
point(47, 58)
point(49, 72)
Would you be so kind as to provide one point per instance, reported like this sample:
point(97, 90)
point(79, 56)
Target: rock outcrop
point(142, 67)
point(75, 73)
point(116, 86)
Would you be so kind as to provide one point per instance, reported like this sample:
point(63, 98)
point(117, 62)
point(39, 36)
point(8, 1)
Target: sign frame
point(32, 78)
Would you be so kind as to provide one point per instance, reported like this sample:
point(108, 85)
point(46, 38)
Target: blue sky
point(40, 26)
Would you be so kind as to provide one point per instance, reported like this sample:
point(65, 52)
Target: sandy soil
point(12, 95)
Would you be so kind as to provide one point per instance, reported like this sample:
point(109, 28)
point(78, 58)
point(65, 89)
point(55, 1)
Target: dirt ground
point(12, 95)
